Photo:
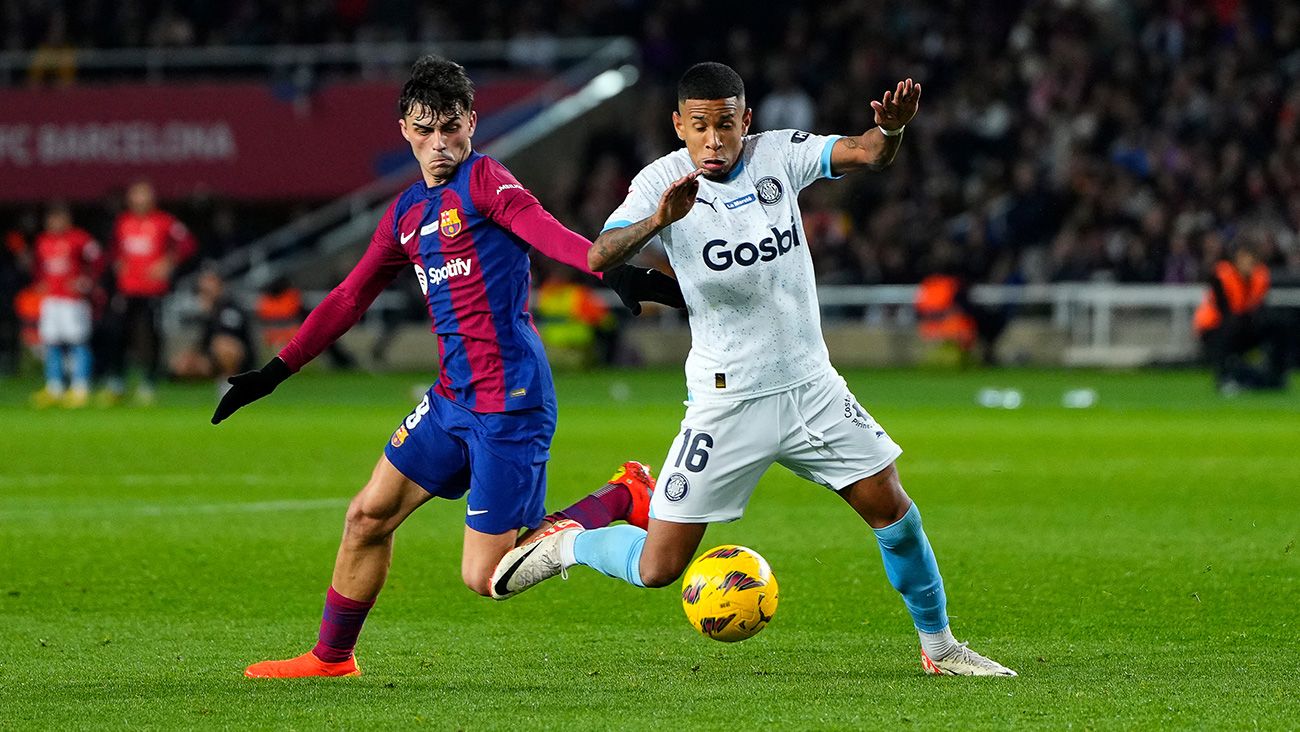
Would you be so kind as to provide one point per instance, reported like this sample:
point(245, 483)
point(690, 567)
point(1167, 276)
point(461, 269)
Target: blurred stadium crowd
point(1117, 141)
point(1057, 141)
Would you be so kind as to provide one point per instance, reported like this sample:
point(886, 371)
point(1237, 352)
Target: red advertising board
point(245, 141)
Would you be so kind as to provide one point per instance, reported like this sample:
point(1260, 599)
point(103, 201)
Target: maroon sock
point(340, 626)
point(608, 504)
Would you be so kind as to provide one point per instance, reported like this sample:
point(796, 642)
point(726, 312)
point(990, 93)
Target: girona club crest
point(449, 222)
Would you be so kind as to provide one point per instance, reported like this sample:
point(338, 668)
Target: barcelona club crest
point(449, 222)
point(400, 436)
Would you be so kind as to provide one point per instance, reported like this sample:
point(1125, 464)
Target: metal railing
point(1087, 311)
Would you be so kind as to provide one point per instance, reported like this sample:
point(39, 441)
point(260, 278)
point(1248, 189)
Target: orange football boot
point(301, 667)
point(640, 483)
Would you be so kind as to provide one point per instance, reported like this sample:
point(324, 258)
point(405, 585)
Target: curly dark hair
point(437, 85)
point(710, 80)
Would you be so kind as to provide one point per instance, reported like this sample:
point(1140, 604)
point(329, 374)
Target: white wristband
point(893, 133)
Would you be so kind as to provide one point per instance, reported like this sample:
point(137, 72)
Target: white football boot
point(963, 662)
point(529, 564)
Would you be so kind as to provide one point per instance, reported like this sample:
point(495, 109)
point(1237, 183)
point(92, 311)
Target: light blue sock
point(613, 550)
point(913, 571)
point(82, 366)
point(54, 368)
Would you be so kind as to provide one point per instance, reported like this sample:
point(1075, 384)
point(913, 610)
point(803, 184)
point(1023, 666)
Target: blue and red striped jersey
point(468, 242)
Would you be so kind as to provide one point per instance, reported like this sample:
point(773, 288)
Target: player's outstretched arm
point(250, 386)
point(875, 149)
point(338, 312)
point(616, 246)
point(633, 285)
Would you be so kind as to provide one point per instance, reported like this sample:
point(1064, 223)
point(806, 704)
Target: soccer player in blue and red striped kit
point(485, 426)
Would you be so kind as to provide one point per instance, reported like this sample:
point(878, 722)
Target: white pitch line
point(136, 479)
point(177, 509)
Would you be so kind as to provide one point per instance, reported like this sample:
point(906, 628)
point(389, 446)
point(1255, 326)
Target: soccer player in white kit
point(760, 385)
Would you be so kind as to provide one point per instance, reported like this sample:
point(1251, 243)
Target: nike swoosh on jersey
point(473, 512)
point(407, 237)
point(503, 582)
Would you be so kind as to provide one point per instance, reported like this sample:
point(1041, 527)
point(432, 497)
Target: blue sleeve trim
point(620, 224)
point(735, 172)
point(826, 157)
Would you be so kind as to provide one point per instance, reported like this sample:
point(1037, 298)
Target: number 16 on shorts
point(707, 476)
point(688, 456)
point(693, 455)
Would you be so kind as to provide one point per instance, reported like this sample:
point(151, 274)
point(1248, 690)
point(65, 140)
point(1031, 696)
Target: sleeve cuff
point(618, 224)
point(826, 157)
point(288, 361)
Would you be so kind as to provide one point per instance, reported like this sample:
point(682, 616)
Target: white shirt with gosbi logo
point(741, 258)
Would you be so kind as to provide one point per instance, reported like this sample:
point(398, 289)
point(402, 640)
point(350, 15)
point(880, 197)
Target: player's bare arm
point(875, 149)
point(616, 246)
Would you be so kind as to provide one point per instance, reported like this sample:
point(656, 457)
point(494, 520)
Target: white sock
point(938, 645)
point(567, 540)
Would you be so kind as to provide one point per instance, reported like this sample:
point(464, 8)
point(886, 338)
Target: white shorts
point(817, 430)
point(65, 321)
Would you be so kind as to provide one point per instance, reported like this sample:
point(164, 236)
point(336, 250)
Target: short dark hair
point(437, 85)
point(710, 80)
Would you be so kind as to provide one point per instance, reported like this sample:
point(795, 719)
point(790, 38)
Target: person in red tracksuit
point(148, 244)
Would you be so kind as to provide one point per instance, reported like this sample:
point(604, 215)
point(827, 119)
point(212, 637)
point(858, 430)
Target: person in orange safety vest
point(1232, 321)
point(280, 312)
point(940, 316)
point(945, 312)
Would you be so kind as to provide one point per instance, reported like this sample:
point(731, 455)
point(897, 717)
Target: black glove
point(250, 386)
point(636, 285)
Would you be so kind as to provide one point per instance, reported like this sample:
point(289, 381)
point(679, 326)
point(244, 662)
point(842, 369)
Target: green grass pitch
point(1135, 561)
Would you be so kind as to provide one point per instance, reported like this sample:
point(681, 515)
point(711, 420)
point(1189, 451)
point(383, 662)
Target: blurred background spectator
point(66, 268)
point(575, 323)
point(1232, 321)
point(12, 250)
point(225, 345)
point(149, 245)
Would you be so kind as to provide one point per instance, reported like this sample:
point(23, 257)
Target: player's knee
point(478, 581)
point(365, 523)
point(660, 574)
point(657, 578)
point(879, 499)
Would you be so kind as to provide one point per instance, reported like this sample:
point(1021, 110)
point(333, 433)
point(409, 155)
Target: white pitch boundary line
point(137, 479)
point(179, 509)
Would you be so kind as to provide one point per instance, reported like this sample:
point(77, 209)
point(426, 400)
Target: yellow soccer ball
point(729, 593)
